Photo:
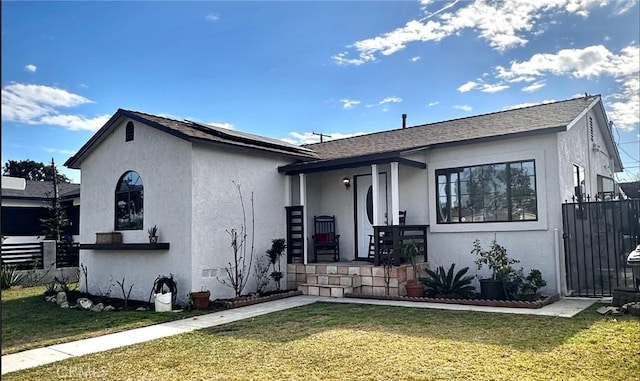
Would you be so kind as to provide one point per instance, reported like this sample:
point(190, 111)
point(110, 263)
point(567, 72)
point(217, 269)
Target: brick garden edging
point(249, 300)
point(473, 302)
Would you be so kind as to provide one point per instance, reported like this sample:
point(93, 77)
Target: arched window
point(129, 202)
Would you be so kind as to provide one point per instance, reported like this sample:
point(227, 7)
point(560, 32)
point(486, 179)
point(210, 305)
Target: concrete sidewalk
point(35, 357)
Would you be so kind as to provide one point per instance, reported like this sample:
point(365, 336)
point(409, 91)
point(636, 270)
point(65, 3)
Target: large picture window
point(487, 193)
point(129, 202)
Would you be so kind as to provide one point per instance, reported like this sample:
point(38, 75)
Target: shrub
point(10, 276)
point(445, 284)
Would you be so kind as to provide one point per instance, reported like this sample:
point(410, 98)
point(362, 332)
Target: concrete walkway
point(567, 308)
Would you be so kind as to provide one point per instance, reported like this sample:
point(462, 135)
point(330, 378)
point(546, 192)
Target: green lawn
point(326, 341)
point(30, 322)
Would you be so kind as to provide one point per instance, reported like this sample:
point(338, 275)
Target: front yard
point(30, 322)
point(350, 342)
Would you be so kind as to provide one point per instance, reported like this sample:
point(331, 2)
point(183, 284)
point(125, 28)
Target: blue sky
point(287, 69)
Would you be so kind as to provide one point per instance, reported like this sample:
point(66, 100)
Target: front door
point(364, 210)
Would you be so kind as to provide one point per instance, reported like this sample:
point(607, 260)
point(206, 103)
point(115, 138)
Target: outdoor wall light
point(347, 182)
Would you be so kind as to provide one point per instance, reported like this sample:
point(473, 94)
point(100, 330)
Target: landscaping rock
point(61, 297)
point(109, 308)
point(98, 307)
point(141, 309)
point(85, 303)
point(51, 298)
point(64, 304)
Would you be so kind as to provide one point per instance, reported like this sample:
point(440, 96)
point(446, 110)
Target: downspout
point(560, 285)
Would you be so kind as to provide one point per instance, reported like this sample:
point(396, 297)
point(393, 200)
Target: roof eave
point(350, 162)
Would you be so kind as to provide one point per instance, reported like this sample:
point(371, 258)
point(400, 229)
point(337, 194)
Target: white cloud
point(39, 104)
point(31, 68)
point(590, 62)
point(521, 105)
point(213, 17)
point(415, 59)
point(431, 104)
point(504, 25)
point(299, 138)
point(484, 87)
point(390, 100)
point(349, 103)
point(488, 88)
point(61, 151)
point(463, 107)
point(467, 87)
point(228, 126)
point(534, 86)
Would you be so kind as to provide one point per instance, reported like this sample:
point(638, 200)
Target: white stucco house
point(502, 175)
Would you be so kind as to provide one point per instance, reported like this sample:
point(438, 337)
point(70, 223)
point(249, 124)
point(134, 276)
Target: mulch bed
point(543, 301)
point(248, 300)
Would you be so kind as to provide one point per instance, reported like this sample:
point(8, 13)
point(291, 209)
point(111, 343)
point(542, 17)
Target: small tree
point(274, 253)
point(238, 271)
point(57, 221)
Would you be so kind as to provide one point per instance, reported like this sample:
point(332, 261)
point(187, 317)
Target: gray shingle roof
point(39, 189)
point(194, 132)
point(527, 120)
point(224, 135)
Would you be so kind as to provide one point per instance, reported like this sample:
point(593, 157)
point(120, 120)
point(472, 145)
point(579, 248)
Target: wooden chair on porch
point(385, 242)
point(325, 239)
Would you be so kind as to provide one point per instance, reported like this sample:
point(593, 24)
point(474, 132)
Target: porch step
point(333, 290)
point(335, 285)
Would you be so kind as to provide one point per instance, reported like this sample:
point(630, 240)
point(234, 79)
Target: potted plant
point(153, 234)
point(499, 263)
point(410, 252)
point(274, 253)
point(531, 284)
point(200, 299)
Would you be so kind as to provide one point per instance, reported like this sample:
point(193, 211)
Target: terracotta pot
point(201, 299)
point(414, 289)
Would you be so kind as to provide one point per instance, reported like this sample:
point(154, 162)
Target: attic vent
point(129, 132)
point(591, 128)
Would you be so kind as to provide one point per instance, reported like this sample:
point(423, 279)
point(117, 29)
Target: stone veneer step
point(334, 280)
point(333, 290)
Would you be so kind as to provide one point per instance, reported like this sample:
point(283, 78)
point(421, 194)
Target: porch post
point(395, 197)
point(303, 202)
point(287, 190)
point(375, 184)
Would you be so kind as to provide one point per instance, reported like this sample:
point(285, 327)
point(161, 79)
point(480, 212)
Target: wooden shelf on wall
point(125, 246)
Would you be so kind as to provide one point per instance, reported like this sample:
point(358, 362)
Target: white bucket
point(163, 302)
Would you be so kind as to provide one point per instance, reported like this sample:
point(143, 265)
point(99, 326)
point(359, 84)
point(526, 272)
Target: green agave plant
point(9, 276)
point(441, 283)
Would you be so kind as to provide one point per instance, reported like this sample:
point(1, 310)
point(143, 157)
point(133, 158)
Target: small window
point(129, 132)
point(606, 188)
point(578, 182)
point(129, 202)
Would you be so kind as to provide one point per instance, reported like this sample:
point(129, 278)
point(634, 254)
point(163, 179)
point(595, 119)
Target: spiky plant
point(441, 283)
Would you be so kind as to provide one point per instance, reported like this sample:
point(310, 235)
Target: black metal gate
point(598, 236)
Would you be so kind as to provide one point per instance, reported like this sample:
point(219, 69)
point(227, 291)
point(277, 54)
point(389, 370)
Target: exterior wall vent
point(129, 132)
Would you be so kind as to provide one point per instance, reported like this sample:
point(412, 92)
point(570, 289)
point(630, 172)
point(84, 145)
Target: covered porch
point(364, 197)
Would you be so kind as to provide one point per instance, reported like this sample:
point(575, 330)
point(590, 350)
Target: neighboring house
point(24, 205)
point(502, 175)
point(631, 189)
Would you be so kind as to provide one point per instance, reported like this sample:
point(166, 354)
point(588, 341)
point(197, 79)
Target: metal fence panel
point(598, 236)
